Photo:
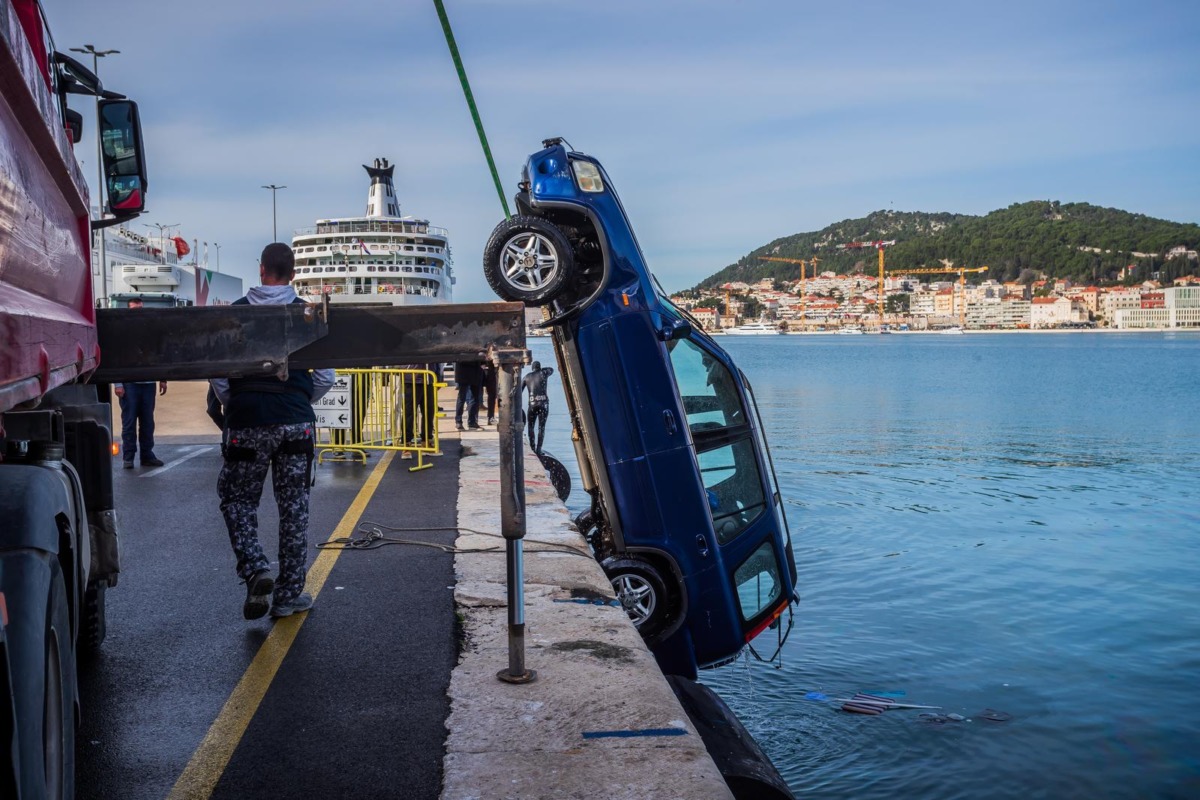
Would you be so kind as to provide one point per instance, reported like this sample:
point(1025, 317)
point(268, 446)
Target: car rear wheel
point(642, 592)
point(528, 260)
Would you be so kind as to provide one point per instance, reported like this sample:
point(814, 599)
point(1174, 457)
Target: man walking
point(137, 416)
point(269, 424)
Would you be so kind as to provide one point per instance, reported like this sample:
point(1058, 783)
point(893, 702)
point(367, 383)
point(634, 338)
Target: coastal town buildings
point(834, 301)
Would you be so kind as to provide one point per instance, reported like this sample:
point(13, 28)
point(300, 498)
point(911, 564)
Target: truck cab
point(686, 517)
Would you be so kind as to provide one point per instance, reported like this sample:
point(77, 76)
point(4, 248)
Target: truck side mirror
point(123, 156)
point(673, 329)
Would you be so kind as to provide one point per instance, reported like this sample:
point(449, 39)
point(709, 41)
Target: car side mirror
point(674, 329)
point(123, 156)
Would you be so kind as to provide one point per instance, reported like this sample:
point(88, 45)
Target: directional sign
point(333, 410)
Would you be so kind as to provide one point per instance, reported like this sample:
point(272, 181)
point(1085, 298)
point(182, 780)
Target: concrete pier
point(388, 688)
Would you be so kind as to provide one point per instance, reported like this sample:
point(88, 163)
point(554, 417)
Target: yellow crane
point(962, 281)
point(803, 270)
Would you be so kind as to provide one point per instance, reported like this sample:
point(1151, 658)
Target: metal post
point(103, 255)
point(512, 512)
point(274, 225)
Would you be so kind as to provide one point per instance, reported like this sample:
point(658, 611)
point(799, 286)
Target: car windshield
point(721, 433)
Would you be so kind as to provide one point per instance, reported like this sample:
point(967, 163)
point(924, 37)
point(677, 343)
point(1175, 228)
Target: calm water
point(1008, 522)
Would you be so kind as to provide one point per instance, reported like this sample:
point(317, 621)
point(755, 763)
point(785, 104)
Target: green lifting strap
point(462, 77)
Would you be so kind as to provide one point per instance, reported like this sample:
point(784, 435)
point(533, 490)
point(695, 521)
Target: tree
point(897, 304)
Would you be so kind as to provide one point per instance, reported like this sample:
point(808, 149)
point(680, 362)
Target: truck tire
point(41, 664)
point(94, 626)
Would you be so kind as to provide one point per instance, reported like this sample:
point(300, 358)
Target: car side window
point(710, 397)
point(734, 489)
point(720, 430)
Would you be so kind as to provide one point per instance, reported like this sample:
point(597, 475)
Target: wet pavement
point(358, 705)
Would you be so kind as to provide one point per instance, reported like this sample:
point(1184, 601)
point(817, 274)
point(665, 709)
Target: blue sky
point(723, 124)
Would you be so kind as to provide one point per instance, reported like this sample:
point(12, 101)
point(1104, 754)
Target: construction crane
point(803, 269)
point(878, 245)
point(962, 282)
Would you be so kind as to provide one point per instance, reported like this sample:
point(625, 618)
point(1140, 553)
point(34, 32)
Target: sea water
point(1003, 523)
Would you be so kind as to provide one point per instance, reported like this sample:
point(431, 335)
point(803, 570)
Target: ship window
point(370, 269)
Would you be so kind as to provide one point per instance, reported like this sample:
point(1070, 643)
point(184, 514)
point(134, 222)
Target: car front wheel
point(528, 260)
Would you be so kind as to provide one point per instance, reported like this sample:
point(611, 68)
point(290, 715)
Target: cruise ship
point(381, 257)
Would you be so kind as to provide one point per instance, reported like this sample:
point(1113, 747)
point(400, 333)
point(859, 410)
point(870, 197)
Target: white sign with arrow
point(333, 410)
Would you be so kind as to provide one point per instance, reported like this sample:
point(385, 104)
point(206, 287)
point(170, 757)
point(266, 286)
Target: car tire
point(528, 260)
point(643, 593)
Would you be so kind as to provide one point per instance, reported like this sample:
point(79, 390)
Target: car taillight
point(762, 626)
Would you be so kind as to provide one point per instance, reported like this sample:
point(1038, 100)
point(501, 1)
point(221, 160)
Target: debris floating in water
point(994, 716)
point(874, 701)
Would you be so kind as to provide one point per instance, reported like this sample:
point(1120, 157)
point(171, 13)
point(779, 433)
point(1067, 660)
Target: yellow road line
point(208, 763)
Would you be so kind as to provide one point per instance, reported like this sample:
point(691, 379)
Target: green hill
point(1078, 241)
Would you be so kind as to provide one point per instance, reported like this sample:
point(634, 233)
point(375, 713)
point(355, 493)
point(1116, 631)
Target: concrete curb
point(595, 673)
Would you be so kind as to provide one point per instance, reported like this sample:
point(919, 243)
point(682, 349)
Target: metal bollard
point(512, 513)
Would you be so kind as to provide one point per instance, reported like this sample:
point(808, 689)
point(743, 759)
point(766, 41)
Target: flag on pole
point(363, 245)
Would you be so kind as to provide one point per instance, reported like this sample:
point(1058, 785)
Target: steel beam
point(163, 344)
point(239, 340)
point(380, 335)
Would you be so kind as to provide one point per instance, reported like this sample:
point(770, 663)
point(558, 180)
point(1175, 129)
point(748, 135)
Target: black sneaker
point(474, 428)
point(152, 462)
point(258, 595)
point(459, 426)
point(302, 603)
point(128, 465)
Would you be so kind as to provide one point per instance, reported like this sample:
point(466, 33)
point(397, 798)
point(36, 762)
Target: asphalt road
point(358, 705)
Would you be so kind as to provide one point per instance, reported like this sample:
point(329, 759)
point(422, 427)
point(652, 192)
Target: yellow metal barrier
point(380, 409)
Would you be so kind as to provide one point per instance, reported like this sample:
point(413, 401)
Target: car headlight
point(587, 175)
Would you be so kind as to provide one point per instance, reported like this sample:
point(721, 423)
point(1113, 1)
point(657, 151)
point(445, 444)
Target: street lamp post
point(274, 229)
point(96, 56)
point(162, 236)
point(218, 247)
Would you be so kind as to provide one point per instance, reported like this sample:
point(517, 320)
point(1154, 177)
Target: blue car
point(686, 516)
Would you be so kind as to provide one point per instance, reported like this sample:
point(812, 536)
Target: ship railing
point(379, 410)
point(354, 227)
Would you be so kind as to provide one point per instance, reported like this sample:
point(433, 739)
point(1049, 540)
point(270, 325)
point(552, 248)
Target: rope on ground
point(373, 537)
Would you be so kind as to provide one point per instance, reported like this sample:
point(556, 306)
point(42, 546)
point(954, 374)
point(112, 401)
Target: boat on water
point(152, 270)
point(760, 328)
point(955, 331)
point(850, 330)
point(380, 257)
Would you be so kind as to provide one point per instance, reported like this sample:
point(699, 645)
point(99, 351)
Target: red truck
point(58, 530)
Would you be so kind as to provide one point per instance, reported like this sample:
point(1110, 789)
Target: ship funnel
point(382, 202)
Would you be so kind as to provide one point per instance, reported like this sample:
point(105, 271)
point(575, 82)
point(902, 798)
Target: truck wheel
point(95, 626)
point(642, 592)
point(41, 664)
point(528, 260)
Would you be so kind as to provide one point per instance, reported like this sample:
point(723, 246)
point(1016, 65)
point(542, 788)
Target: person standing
point(468, 375)
point(416, 403)
point(489, 387)
point(269, 425)
point(137, 416)
point(539, 402)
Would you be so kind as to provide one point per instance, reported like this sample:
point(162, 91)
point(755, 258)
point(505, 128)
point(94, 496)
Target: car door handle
point(669, 420)
point(702, 543)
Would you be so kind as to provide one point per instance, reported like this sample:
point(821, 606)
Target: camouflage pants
point(249, 452)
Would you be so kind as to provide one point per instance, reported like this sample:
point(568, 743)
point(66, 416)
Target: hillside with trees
point(1076, 241)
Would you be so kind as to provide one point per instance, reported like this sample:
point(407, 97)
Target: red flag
point(181, 246)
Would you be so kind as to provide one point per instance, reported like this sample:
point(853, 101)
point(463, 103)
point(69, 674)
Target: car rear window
point(757, 581)
point(710, 397)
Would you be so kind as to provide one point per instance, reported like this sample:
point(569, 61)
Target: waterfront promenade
point(388, 687)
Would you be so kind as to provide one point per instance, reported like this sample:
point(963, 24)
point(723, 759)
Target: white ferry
point(151, 269)
point(760, 328)
point(850, 330)
point(381, 257)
